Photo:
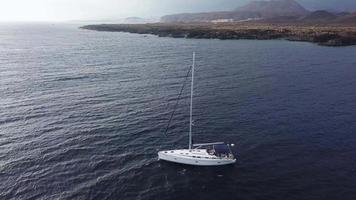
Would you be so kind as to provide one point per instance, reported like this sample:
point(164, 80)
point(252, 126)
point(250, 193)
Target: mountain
point(210, 16)
point(134, 20)
point(272, 11)
point(348, 19)
point(341, 14)
point(275, 8)
point(320, 16)
point(252, 11)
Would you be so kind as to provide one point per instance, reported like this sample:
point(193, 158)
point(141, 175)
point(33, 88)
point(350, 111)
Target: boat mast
point(191, 104)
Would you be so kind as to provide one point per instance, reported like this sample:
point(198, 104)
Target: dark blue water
point(82, 115)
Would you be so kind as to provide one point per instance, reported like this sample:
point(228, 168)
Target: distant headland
point(261, 20)
point(322, 35)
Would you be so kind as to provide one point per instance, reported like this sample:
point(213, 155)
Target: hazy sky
point(62, 10)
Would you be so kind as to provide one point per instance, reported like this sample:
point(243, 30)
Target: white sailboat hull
point(198, 157)
point(220, 154)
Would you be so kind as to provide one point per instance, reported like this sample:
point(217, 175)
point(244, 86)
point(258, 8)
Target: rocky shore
point(326, 35)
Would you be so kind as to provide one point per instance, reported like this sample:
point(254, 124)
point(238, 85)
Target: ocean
point(83, 114)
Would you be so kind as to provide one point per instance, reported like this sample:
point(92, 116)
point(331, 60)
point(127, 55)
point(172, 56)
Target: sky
point(66, 10)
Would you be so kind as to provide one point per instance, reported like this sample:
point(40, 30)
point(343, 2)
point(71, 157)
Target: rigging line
point(175, 106)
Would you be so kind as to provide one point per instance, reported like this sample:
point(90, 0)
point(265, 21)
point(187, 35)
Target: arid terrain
point(261, 20)
point(322, 34)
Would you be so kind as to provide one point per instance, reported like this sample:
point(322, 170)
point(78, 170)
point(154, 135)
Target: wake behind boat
point(206, 154)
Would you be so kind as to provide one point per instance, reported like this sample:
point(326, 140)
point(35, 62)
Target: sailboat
point(204, 154)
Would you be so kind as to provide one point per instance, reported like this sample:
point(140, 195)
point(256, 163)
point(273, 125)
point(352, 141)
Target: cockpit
point(218, 149)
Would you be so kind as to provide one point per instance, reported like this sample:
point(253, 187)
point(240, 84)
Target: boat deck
point(196, 157)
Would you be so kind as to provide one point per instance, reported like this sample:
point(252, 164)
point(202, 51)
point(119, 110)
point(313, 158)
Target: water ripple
point(82, 116)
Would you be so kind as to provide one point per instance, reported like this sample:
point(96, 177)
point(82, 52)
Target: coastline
point(321, 34)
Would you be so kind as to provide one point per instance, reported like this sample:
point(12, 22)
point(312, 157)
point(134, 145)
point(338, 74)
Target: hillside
point(210, 16)
point(322, 35)
point(252, 11)
point(348, 19)
point(262, 20)
point(275, 8)
point(320, 15)
point(273, 11)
